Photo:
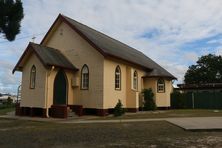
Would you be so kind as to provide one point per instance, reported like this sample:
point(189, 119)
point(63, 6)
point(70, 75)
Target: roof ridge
point(115, 48)
point(102, 34)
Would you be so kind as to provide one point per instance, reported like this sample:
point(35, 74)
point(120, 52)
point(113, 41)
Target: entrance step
point(70, 112)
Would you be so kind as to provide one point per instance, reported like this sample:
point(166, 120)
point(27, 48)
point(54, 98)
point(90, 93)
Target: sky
point(174, 33)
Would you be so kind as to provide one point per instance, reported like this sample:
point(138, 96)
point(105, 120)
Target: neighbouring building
point(80, 69)
point(4, 98)
point(205, 87)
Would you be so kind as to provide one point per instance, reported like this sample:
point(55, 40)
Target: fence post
point(192, 100)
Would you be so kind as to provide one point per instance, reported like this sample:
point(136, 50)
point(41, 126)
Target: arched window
point(135, 80)
point(117, 78)
point(160, 86)
point(85, 77)
point(32, 77)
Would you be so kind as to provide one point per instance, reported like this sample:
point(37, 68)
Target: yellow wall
point(128, 96)
point(79, 52)
point(111, 95)
point(33, 97)
point(132, 100)
point(162, 99)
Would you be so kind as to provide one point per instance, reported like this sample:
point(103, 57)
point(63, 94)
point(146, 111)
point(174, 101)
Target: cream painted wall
point(132, 100)
point(162, 99)
point(33, 97)
point(79, 52)
point(128, 96)
point(111, 95)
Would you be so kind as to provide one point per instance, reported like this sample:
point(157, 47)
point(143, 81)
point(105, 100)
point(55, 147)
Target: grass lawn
point(4, 111)
point(18, 133)
point(168, 114)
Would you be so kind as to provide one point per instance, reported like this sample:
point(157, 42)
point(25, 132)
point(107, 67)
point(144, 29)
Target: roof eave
point(161, 76)
point(116, 57)
point(63, 67)
point(50, 29)
point(19, 61)
point(62, 18)
point(46, 65)
point(83, 36)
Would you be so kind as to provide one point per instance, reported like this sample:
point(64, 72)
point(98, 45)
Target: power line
point(28, 36)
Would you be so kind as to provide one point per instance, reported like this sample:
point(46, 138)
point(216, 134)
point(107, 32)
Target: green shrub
point(149, 102)
point(119, 110)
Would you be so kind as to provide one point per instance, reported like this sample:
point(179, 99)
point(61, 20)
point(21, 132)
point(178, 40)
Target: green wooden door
point(60, 89)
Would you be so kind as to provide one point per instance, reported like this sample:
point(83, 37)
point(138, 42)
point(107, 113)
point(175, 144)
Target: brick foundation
point(44, 113)
point(17, 109)
point(163, 108)
point(58, 111)
point(102, 112)
point(132, 110)
point(31, 112)
point(78, 109)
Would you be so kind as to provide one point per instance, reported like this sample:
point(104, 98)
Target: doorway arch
point(60, 89)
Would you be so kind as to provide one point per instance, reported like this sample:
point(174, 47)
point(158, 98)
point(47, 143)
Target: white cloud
point(178, 22)
point(219, 51)
point(191, 56)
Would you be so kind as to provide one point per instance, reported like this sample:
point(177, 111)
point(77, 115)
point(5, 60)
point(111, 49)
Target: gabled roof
point(110, 47)
point(48, 56)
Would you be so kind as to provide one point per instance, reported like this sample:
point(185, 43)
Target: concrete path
point(111, 120)
point(198, 123)
point(187, 123)
point(191, 123)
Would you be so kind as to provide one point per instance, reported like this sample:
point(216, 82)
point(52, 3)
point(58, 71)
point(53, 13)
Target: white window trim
point(119, 80)
point(161, 85)
point(132, 80)
point(83, 79)
point(32, 82)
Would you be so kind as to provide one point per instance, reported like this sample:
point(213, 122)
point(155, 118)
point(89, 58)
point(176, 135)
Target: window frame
point(83, 78)
point(160, 83)
point(119, 80)
point(32, 81)
point(135, 79)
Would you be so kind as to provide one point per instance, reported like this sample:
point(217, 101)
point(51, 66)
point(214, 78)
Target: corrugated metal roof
point(48, 56)
point(112, 47)
point(52, 57)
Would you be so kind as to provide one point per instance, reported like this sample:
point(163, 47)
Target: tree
point(149, 102)
point(11, 14)
point(119, 110)
point(9, 101)
point(208, 69)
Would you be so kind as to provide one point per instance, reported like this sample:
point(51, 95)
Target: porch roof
point(48, 56)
